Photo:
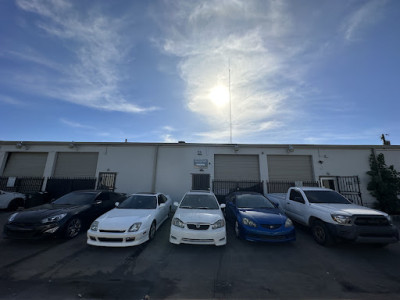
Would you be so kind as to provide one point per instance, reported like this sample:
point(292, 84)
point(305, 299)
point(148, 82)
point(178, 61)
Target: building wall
point(168, 168)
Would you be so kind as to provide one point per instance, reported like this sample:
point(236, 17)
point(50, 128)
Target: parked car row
point(119, 221)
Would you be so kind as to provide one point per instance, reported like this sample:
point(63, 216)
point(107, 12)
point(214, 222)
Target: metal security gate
point(201, 182)
point(221, 188)
point(106, 181)
point(349, 186)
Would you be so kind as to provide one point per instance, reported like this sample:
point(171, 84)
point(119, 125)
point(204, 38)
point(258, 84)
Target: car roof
point(305, 188)
point(146, 194)
point(197, 192)
point(244, 193)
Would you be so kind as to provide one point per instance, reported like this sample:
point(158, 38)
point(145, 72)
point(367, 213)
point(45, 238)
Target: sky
point(237, 71)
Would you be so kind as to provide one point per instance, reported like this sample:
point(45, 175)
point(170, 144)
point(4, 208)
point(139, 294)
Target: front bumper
point(211, 236)
point(31, 231)
point(117, 239)
point(273, 236)
point(366, 234)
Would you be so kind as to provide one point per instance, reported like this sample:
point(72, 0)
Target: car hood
point(121, 218)
point(38, 213)
point(208, 216)
point(263, 216)
point(348, 209)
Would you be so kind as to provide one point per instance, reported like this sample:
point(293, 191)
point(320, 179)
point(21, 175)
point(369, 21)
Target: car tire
point(321, 233)
point(152, 231)
point(237, 230)
point(73, 228)
point(14, 204)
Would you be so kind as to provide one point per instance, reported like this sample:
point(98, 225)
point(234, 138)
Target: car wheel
point(237, 230)
point(14, 204)
point(74, 227)
point(321, 233)
point(152, 231)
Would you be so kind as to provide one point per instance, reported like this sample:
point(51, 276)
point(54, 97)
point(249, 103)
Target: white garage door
point(236, 167)
point(70, 164)
point(290, 168)
point(25, 164)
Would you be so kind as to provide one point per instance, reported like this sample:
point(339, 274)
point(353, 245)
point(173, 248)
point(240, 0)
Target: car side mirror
point(162, 204)
point(222, 205)
point(176, 204)
point(98, 202)
point(116, 204)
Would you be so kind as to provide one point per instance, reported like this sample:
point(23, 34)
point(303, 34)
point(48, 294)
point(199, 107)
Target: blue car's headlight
point(248, 222)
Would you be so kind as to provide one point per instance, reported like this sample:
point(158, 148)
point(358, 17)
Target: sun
point(219, 95)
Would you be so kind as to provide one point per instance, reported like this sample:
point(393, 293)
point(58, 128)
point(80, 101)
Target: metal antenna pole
point(230, 103)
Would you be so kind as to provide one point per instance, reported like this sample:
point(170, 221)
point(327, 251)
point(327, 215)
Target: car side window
point(160, 199)
point(104, 196)
point(296, 196)
point(115, 197)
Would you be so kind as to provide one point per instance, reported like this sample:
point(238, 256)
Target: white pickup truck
point(331, 216)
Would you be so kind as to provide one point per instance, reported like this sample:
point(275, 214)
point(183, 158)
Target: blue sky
point(301, 72)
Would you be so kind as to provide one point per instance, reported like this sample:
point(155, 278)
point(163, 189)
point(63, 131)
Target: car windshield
point(198, 201)
point(77, 198)
point(253, 201)
point(326, 197)
point(140, 202)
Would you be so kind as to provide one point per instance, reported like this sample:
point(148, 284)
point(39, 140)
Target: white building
point(174, 168)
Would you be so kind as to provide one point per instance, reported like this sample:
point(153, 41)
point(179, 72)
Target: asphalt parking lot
point(60, 269)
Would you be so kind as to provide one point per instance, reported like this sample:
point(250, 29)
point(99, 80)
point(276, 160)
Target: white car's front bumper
point(210, 236)
point(117, 239)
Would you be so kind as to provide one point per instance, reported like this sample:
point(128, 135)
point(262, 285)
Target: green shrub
point(384, 184)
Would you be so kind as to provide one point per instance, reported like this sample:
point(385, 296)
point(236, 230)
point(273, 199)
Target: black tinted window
point(140, 202)
point(325, 197)
point(76, 198)
point(253, 201)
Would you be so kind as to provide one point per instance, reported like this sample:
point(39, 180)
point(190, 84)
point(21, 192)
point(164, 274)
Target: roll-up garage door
point(290, 167)
point(71, 164)
point(21, 164)
point(236, 167)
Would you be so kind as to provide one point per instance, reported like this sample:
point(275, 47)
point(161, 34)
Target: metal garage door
point(290, 168)
point(21, 164)
point(236, 167)
point(70, 164)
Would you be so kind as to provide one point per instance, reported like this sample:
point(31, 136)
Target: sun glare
point(219, 95)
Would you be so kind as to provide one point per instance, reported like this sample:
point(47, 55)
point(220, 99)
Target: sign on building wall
point(201, 163)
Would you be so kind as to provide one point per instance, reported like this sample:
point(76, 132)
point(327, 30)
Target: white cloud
point(365, 16)
point(10, 100)
point(95, 77)
point(75, 124)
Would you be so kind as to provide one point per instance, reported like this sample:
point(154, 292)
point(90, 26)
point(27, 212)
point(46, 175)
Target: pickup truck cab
point(330, 216)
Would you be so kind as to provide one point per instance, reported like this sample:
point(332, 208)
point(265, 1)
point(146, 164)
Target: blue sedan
point(257, 219)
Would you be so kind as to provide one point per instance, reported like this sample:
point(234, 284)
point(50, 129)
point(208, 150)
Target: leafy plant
point(384, 184)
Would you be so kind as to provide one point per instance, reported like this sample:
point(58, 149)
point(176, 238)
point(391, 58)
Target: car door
point(295, 206)
point(162, 209)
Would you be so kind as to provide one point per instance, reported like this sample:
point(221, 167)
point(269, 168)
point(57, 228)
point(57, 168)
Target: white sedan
point(198, 220)
point(132, 222)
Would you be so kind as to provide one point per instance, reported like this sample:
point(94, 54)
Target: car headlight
point(135, 227)
point(53, 219)
point(342, 219)
point(12, 217)
point(288, 223)
point(94, 226)
point(249, 222)
point(177, 222)
point(220, 223)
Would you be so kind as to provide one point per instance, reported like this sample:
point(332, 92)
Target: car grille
point(271, 226)
point(110, 240)
point(198, 226)
point(372, 221)
point(112, 231)
point(198, 240)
